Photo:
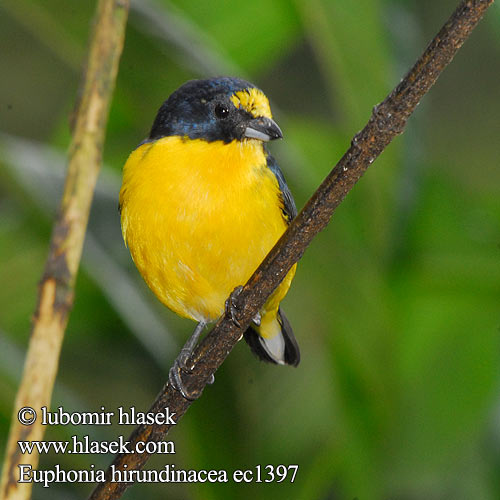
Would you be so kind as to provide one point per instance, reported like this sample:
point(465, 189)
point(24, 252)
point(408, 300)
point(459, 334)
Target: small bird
point(202, 203)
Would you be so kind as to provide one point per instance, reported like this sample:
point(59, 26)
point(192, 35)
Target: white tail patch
point(275, 347)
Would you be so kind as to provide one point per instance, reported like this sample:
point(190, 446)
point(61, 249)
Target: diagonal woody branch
point(387, 121)
point(55, 297)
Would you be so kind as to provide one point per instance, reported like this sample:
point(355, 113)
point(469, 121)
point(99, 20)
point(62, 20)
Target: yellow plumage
point(198, 218)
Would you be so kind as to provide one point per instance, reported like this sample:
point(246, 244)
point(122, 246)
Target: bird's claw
point(182, 360)
point(231, 307)
point(175, 379)
point(175, 376)
point(257, 319)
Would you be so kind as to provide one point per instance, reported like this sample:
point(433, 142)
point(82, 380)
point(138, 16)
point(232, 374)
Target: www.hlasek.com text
point(86, 446)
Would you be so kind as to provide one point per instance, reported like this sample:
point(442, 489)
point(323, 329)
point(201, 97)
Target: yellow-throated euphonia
point(202, 203)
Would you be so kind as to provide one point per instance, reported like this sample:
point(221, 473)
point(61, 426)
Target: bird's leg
point(180, 365)
point(189, 346)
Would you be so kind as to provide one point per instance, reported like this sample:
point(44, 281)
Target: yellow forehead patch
point(253, 101)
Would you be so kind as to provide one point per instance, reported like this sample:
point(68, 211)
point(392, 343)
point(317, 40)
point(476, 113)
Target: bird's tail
point(273, 341)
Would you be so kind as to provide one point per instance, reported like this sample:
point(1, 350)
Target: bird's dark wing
point(289, 208)
point(291, 355)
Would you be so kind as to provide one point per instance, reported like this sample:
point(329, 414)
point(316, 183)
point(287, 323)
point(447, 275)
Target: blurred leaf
point(254, 34)
point(395, 305)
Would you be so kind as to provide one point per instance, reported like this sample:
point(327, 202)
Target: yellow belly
point(199, 217)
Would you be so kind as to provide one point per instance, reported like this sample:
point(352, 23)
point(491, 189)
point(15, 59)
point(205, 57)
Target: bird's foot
point(231, 307)
point(182, 365)
point(175, 378)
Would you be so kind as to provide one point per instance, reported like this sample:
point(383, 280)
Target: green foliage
point(395, 305)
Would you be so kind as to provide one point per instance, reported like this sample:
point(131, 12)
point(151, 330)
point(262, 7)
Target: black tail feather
point(292, 352)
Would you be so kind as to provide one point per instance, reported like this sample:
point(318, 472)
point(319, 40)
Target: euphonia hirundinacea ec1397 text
point(202, 203)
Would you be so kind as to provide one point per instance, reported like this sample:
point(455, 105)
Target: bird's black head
point(218, 109)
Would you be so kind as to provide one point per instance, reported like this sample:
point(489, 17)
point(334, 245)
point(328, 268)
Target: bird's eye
point(221, 111)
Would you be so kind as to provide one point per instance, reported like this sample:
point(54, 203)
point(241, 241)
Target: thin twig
point(387, 121)
point(55, 298)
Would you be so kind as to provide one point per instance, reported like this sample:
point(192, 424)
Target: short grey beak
point(263, 129)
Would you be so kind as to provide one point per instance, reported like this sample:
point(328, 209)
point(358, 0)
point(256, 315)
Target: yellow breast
point(199, 217)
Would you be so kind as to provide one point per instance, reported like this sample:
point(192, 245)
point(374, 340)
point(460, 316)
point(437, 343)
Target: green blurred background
point(396, 305)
